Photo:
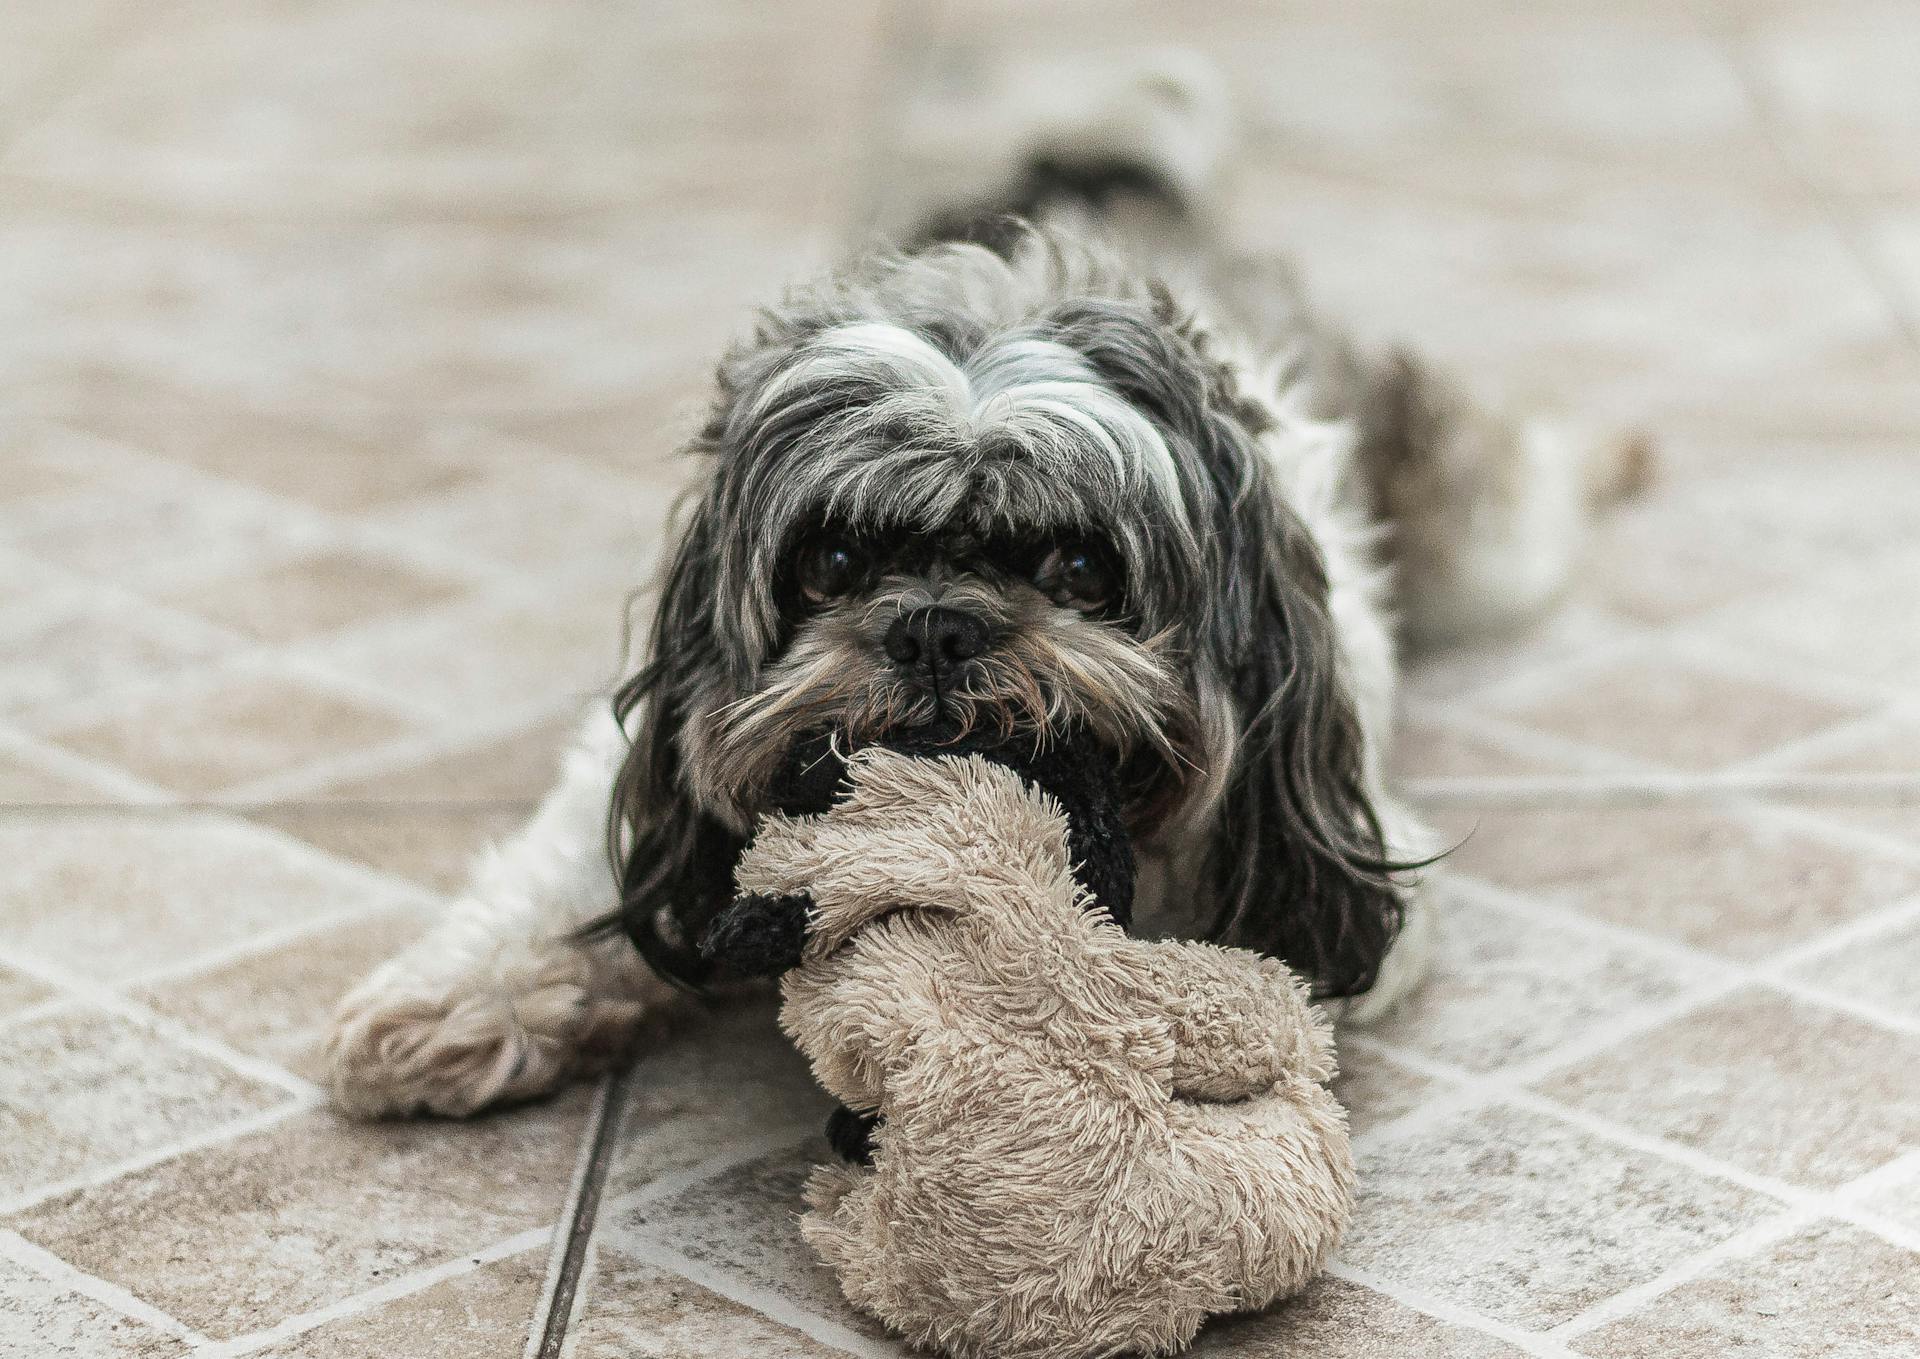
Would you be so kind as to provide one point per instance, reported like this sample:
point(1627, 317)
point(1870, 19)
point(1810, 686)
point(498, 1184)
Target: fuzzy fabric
point(1087, 1143)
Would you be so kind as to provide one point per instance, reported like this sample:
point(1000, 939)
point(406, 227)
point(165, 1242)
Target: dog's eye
point(828, 569)
point(1076, 576)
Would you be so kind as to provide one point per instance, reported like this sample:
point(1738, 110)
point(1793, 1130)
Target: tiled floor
point(341, 349)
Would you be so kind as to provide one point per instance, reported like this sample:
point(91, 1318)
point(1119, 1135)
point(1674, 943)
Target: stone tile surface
point(1527, 1220)
point(241, 1236)
point(1674, 714)
point(241, 729)
point(320, 592)
point(345, 348)
point(1334, 1317)
point(743, 1224)
point(1826, 1291)
point(1781, 1107)
point(273, 1003)
point(81, 1091)
point(481, 1312)
point(637, 1308)
point(40, 1316)
point(111, 896)
point(1717, 878)
point(1509, 985)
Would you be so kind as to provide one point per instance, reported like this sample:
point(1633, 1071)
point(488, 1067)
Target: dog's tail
point(1144, 138)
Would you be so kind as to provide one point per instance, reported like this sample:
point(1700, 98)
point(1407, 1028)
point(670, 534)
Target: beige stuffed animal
point(1085, 1144)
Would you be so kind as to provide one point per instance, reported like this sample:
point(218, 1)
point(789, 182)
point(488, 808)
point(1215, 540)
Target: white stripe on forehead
point(1042, 393)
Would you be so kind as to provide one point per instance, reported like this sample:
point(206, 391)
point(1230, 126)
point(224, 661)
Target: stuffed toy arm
point(1241, 1024)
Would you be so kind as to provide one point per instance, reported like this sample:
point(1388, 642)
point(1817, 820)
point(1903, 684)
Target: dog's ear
point(672, 860)
point(1299, 860)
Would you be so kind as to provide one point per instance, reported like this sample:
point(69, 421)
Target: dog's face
point(958, 497)
point(1012, 631)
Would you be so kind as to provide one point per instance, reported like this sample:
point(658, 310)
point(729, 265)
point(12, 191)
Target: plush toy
point(1063, 1141)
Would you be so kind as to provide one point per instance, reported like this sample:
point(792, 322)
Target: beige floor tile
point(359, 82)
point(476, 1315)
point(728, 1075)
point(1838, 76)
point(1427, 748)
point(37, 459)
point(1375, 1089)
point(491, 657)
point(322, 592)
point(18, 990)
point(1672, 712)
point(1781, 1107)
point(1526, 1220)
point(25, 780)
point(433, 846)
point(1880, 970)
point(1901, 1201)
point(1696, 543)
point(111, 895)
point(538, 515)
point(276, 1004)
point(40, 1317)
point(1857, 625)
point(633, 1308)
point(743, 1223)
point(1457, 672)
point(1507, 985)
point(1888, 745)
point(82, 1090)
point(1340, 1320)
point(240, 1236)
point(74, 650)
point(132, 531)
point(518, 767)
point(333, 467)
point(1728, 882)
point(644, 435)
point(1829, 1290)
point(243, 728)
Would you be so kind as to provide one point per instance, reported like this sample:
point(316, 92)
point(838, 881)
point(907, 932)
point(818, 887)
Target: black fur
point(760, 936)
point(673, 862)
point(851, 1135)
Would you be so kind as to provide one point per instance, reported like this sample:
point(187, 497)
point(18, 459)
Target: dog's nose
point(938, 640)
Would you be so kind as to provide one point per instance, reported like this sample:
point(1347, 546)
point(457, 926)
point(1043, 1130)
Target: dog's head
point(974, 490)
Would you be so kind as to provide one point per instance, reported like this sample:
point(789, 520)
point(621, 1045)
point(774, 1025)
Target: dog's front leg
point(501, 1000)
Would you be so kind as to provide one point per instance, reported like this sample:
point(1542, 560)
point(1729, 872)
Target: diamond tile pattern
point(343, 350)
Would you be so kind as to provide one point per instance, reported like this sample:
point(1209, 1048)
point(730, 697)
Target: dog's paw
point(404, 1042)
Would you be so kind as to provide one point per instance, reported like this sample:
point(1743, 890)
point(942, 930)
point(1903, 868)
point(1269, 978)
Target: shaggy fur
point(1087, 1144)
point(1276, 505)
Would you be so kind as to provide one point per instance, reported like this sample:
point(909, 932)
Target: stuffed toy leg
point(1079, 1143)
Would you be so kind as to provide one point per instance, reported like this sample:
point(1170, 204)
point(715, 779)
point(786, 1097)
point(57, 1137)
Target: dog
point(1055, 458)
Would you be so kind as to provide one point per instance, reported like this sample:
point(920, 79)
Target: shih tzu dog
point(1057, 459)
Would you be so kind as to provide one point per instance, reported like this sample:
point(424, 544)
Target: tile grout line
point(566, 1262)
point(1739, 1246)
point(1522, 738)
point(107, 999)
point(467, 1262)
point(56, 1271)
point(232, 1130)
point(1536, 1343)
point(773, 1306)
point(1835, 206)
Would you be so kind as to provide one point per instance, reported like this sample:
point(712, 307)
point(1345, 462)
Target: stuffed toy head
point(1075, 1143)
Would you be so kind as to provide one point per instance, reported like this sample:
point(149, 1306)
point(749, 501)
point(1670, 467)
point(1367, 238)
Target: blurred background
point(344, 346)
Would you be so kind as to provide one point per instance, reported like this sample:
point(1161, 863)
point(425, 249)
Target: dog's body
point(1091, 469)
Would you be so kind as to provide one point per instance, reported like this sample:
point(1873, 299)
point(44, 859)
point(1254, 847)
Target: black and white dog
point(1057, 460)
